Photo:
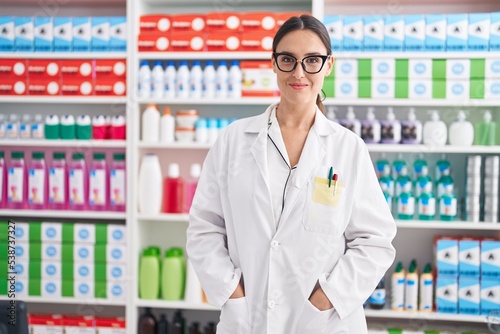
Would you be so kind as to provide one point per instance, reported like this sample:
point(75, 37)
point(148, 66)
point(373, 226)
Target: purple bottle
point(58, 182)
point(77, 183)
point(117, 183)
point(16, 182)
point(98, 183)
point(37, 182)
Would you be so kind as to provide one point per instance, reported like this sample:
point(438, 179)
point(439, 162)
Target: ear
point(329, 63)
point(273, 61)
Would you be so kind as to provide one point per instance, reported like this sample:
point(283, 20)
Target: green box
point(67, 270)
point(477, 68)
point(402, 68)
point(35, 287)
point(35, 232)
point(439, 69)
point(67, 288)
point(402, 88)
point(477, 88)
point(100, 254)
point(67, 252)
point(328, 89)
point(35, 250)
point(4, 231)
point(438, 89)
point(364, 68)
point(4, 248)
point(35, 269)
point(100, 272)
point(100, 289)
point(68, 233)
point(101, 230)
point(365, 88)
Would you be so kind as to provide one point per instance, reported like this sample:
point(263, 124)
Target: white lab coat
point(232, 233)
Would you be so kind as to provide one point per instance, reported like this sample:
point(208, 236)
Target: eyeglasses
point(310, 64)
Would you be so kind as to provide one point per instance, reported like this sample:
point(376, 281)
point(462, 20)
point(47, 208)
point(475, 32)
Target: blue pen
point(330, 177)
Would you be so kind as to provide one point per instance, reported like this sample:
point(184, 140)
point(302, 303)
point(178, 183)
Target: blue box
point(490, 259)
point(490, 296)
point(25, 34)
point(82, 34)
point(63, 34)
point(100, 34)
point(353, 33)
point(374, 33)
point(447, 257)
point(414, 33)
point(457, 32)
point(479, 31)
point(334, 25)
point(469, 295)
point(394, 33)
point(7, 37)
point(447, 294)
point(44, 34)
point(469, 258)
point(435, 32)
point(118, 33)
point(495, 32)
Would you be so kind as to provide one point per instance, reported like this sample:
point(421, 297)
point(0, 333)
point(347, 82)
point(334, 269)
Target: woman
point(289, 231)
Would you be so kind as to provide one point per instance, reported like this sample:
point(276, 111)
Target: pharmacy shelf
point(451, 225)
point(167, 146)
point(204, 55)
point(63, 143)
point(204, 101)
point(68, 300)
point(64, 99)
point(189, 3)
point(388, 314)
point(63, 55)
point(174, 305)
point(164, 217)
point(64, 214)
point(411, 102)
point(408, 148)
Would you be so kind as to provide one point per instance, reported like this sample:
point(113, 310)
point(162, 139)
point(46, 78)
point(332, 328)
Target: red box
point(283, 16)
point(188, 41)
point(77, 88)
point(223, 41)
point(115, 323)
point(14, 86)
point(15, 68)
point(155, 23)
point(188, 22)
point(77, 69)
point(223, 22)
point(110, 87)
point(77, 321)
point(44, 69)
point(154, 42)
point(112, 68)
point(45, 319)
point(257, 41)
point(45, 87)
point(258, 21)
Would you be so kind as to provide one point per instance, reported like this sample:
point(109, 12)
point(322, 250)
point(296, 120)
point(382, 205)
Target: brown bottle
point(194, 328)
point(147, 323)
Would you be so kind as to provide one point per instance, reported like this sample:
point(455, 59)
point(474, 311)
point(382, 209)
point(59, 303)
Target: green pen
point(330, 177)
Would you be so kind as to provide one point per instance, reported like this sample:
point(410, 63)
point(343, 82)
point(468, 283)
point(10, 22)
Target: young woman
point(289, 231)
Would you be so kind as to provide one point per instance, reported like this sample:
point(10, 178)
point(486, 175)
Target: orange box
point(109, 87)
point(14, 86)
point(110, 68)
point(257, 41)
point(258, 21)
point(188, 22)
point(41, 68)
point(77, 69)
point(15, 68)
point(77, 88)
point(223, 41)
point(223, 21)
point(258, 78)
point(44, 86)
point(283, 16)
point(154, 42)
point(187, 41)
point(155, 23)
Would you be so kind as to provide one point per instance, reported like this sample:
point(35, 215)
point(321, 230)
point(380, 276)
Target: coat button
point(275, 244)
point(271, 304)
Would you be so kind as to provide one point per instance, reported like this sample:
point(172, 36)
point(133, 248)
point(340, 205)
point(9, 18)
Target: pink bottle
point(2, 180)
point(98, 183)
point(58, 182)
point(117, 181)
point(77, 183)
point(37, 182)
point(17, 184)
point(99, 127)
point(173, 190)
point(190, 186)
point(118, 128)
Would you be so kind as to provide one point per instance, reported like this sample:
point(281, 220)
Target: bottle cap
point(235, 63)
point(67, 120)
point(167, 111)
point(183, 63)
point(58, 155)
point(223, 122)
point(99, 156)
point(435, 116)
point(174, 252)
point(209, 63)
point(83, 120)
point(487, 116)
point(38, 155)
point(151, 105)
point(370, 115)
point(411, 115)
point(52, 120)
point(1, 154)
point(221, 63)
point(461, 116)
point(196, 63)
point(195, 170)
point(118, 120)
point(150, 251)
point(350, 113)
point(78, 156)
point(119, 156)
point(173, 170)
point(399, 267)
point(390, 114)
point(26, 118)
point(427, 268)
point(157, 63)
point(170, 63)
point(17, 155)
point(98, 120)
point(201, 123)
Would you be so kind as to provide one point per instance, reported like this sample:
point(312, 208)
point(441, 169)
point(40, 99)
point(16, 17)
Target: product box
point(334, 25)
point(44, 87)
point(76, 70)
point(353, 33)
point(83, 270)
point(469, 295)
point(79, 324)
point(457, 89)
point(346, 88)
point(110, 254)
point(84, 288)
point(420, 68)
point(155, 23)
point(12, 86)
point(446, 294)
point(187, 41)
point(490, 296)
point(281, 17)
point(188, 22)
point(346, 68)
point(8, 36)
point(25, 34)
point(223, 22)
point(110, 325)
point(100, 34)
point(114, 272)
point(84, 233)
point(495, 31)
point(22, 268)
point(222, 41)
point(22, 232)
point(469, 258)
point(117, 290)
point(46, 324)
point(21, 287)
point(492, 89)
point(479, 31)
point(446, 252)
point(41, 69)
point(63, 34)
point(115, 234)
point(117, 33)
point(258, 79)
point(383, 68)
point(51, 251)
point(52, 232)
point(394, 33)
point(414, 39)
point(492, 68)
point(383, 88)
point(435, 32)
point(457, 32)
point(22, 251)
point(458, 69)
point(490, 259)
point(82, 34)
point(373, 33)
point(44, 34)
point(258, 21)
point(14, 68)
point(420, 88)
point(51, 287)
point(72, 87)
point(109, 87)
point(84, 253)
point(51, 269)
point(256, 41)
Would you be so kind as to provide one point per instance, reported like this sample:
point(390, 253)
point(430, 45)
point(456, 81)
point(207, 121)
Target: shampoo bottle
point(167, 126)
point(151, 124)
point(461, 131)
point(426, 289)
point(351, 123)
point(370, 128)
point(77, 183)
point(150, 190)
point(411, 288)
point(411, 129)
point(98, 183)
point(16, 181)
point(173, 190)
point(435, 131)
point(390, 129)
point(58, 182)
point(37, 182)
point(149, 274)
point(426, 202)
point(486, 132)
point(398, 288)
point(117, 183)
point(448, 204)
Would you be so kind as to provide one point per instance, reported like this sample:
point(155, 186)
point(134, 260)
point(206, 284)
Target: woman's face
point(298, 86)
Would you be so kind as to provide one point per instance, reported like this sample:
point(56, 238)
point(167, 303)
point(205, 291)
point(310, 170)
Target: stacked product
point(59, 324)
point(492, 175)
point(473, 189)
point(73, 260)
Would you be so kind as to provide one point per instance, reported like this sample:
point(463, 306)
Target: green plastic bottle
point(406, 203)
point(173, 276)
point(444, 181)
point(420, 168)
point(399, 168)
point(442, 166)
point(149, 274)
point(486, 132)
point(426, 203)
point(403, 181)
point(448, 204)
point(383, 168)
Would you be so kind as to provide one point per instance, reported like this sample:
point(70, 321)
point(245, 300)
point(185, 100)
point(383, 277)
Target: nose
point(298, 72)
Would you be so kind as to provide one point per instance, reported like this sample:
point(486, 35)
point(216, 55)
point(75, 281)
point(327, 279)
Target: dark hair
point(305, 22)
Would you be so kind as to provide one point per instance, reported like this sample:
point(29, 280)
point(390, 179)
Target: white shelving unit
point(181, 305)
point(63, 55)
point(51, 300)
point(63, 214)
point(63, 143)
point(428, 316)
point(64, 99)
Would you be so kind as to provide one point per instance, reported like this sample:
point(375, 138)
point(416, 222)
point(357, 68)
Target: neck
point(300, 117)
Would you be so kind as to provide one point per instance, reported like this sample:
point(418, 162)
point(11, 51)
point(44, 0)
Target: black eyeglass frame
point(277, 54)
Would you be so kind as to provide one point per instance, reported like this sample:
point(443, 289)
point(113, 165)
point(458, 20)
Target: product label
point(398, 290)
point(36, 186)
point(15, 185)
point(427, 206)
point(377, 297)
point(411, 294)
point(2, 130)
point(117, 187)
point(76, 185)
point(56, 186)
point(1, 183)
point(12, 130)
point(426, 292)
point(448, 206)
point(24, 131)
point(97, 187)
point(37, 131)
point(406, 205)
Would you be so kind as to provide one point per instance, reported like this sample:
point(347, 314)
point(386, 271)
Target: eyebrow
point(307, 54)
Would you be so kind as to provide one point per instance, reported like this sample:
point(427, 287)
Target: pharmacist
point(289, 231)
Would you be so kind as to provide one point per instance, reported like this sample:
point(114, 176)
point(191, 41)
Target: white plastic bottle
point(182, 86)
point(411, 129)
point(170, 80)
point(151, 124)
point(461, 131)
point(158, 76)
point(209, 85)
point(351, 123)
point(194, 292)
point(331, 113)
point(435, 131)
point(213, 130)
point(25, 127)
point(3, 126)
point(37, 127)
point(235, 80)
point(196, 80)
point(144, 80)
point(221, 79)
point(150, 192)
point(370, 128)
point(167, 126)
point(201, 131)
point(390, 129)
point(12, 127)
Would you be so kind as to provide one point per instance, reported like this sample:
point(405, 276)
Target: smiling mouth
point(298, 85)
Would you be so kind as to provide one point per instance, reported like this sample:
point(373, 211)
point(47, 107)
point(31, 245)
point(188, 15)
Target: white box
point(479, 31)
point(63, 34)
point(383, 68)
point(22, 232)
point(394, 33)
point(51, 287)
point(117, 234)
point(334, 25)
point(22, 251)
point(44, 34)
point(353, 33)
point(84, 233)
point(115, 271)
point(117, 290)
point(469, 258)
point(383, 88)
point(25, 34)
point(51, 270)
point(457, 89)
point(21, 287)
point(116, 254)
point(490, 296)
point(100, 34)
point(84, 288)
point(495, 32)
point(420, 88)
point(117, 33)
point(346, 88)
point(346, 69)
point(51, 251)
point(446, 294)
point(51, 232)
point(414, 33)
point(469, 295)
point(458, 69)
point(435, 32)
point(457, 32)
point(82, 34)
point(83, 271)
point(22, 268)
point(492, 89)
point(8, 36)
point(373, 33)
point(83, 253)
point(492, 68)
point(420, 69)
point(490, 259)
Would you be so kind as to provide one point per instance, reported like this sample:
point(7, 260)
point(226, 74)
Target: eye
point(287, 59)
point(313, 60)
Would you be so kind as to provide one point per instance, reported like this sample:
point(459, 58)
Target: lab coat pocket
point(234, 317)
point(312, 320)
